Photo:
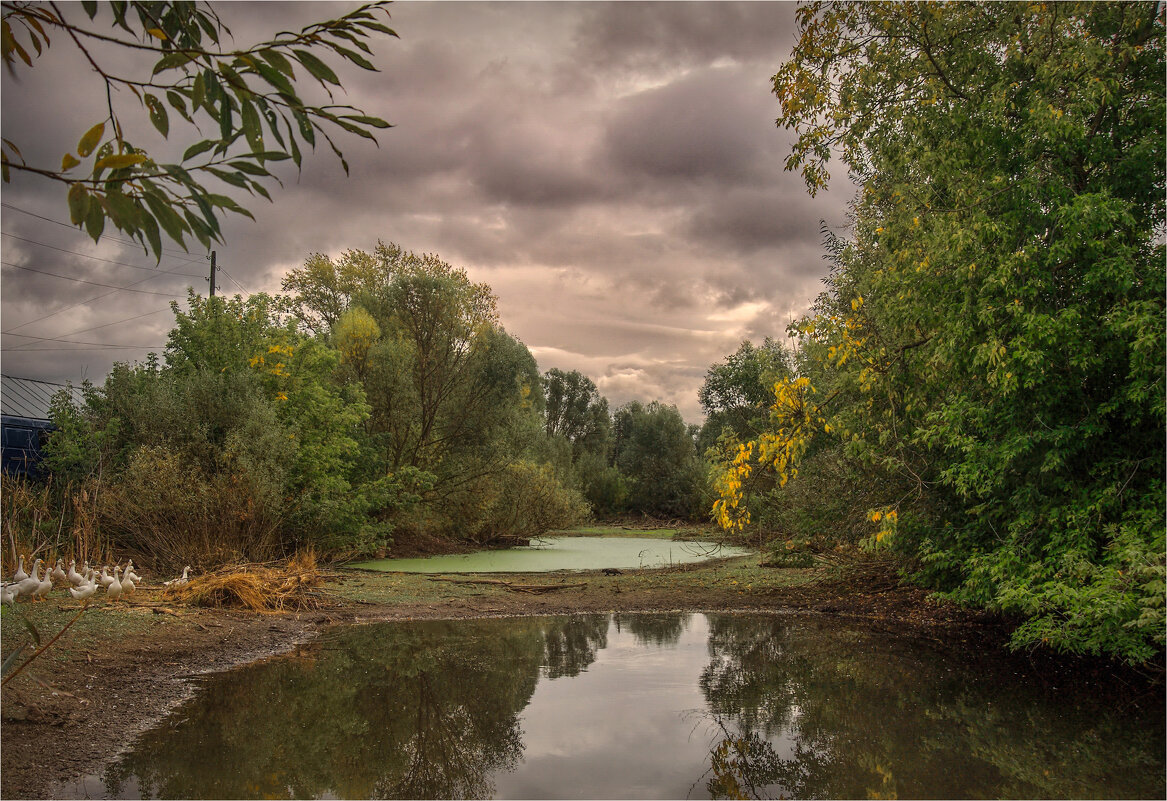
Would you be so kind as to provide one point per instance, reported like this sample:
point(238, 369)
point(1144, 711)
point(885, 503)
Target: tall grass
point(49, 520)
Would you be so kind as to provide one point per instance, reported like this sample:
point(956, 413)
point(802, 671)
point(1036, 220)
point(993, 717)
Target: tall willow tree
point(992, 337)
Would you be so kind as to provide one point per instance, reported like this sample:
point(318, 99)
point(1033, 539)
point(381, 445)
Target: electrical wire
point(93, 328)
point(94, 283)
point(74, 342)
point(98, 258)
point(74, 228)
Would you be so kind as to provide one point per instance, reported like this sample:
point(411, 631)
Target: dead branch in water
point(510, 585)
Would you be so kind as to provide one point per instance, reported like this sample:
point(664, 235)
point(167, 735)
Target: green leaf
point(376, 122)
point(321, 71)
point(275, 78)
point(176, 100)
point(68, 162)
point(78, 203)
point(90, 140)
point(150, 229)
point(197, 148)
point(158, 115)
point(95, 221)
point(248, 167)
point(172, 61)
point(355, 58)
point(168, 219)
point(277, 60)
point(306, 130)
point(233, 178)
point(252, 127)
point(122, 210)
point(225, 117)
point(258, 187)
point(120, 161)
point(90, 7)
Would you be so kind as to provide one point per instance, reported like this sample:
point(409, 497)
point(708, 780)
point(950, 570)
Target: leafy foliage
point(990, 344)
point(250, 98)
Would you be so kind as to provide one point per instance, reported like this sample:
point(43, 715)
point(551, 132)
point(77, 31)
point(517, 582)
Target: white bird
point(127, 584)
point(59, 572)
point(8, 593)
point(19, 575)
point(183, 579)
point(75, 578)
point(131, 574)
point(114, 590)
point(105, 579)
point(86, 590)
point(45, 587)
point(29, 584)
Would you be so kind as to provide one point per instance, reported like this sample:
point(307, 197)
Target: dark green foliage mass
point(989, 350)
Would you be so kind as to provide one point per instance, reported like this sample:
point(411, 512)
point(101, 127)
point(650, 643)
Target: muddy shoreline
point(70, 716)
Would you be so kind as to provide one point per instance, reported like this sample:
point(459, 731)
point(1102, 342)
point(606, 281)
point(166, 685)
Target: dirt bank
point(120, 669)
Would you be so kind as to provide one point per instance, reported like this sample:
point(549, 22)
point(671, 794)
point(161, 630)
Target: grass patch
point(620, 531)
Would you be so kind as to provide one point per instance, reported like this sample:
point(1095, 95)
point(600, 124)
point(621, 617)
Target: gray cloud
point(612, 170)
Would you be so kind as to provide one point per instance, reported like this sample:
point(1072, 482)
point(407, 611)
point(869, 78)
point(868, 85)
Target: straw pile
point(258, 587)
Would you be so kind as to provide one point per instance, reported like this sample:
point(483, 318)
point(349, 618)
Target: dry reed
point(264, 587)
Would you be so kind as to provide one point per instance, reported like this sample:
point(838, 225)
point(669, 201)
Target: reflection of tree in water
point(570, 647)
point(658, 629)
point(427, 710)
point(810, 710)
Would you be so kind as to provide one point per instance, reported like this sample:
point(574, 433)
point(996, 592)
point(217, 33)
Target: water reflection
point(637, 706)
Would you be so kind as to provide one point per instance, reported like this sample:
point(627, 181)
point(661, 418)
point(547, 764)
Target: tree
point(738, 390)
point(576, 410)
point(992, 334)
point(250, 97)
point(654, 451)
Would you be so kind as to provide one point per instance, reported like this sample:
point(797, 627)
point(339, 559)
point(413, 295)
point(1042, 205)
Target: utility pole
point(212, 273)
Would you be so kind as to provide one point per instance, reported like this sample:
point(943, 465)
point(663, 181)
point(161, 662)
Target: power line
point(98, 258)
point(95, 327)
point(85, 350)
point(245, 289)
point(74, 342)
point(74, 228)
point(94, 283)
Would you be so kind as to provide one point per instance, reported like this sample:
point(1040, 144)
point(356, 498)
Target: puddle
point(642, 706)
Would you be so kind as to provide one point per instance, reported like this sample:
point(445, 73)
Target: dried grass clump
point(258, 587)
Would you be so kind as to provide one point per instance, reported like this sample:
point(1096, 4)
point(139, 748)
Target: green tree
point(656, 454)
point(737, 391)
point(577, 411)
point(250, 97)
point(992, 336)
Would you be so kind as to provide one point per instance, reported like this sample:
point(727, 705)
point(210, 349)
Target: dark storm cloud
point(704, 126)
point(613, 171)
point(641, 36)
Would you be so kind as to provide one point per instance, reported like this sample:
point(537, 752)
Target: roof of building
point(30, 397)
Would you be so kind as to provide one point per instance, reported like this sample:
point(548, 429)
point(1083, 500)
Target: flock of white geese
point(81, 585)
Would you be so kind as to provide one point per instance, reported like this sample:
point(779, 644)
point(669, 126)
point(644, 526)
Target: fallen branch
point(539, 588)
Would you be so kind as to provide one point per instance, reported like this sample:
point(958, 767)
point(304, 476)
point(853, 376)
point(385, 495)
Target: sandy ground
point(82, 703)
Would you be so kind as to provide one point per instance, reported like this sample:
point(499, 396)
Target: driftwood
point(510, 585)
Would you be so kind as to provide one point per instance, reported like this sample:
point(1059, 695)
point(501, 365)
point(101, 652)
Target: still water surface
point(564, 553)
point(640, 706)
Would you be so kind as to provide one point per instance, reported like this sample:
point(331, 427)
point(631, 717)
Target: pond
point(640, 706)
point(564, 553)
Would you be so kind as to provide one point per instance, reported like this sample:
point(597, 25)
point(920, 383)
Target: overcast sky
point(613, 171)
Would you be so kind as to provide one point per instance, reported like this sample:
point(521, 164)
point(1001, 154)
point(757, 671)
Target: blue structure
point(24, 422)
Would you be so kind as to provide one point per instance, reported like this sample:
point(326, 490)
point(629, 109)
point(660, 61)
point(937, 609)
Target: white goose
point(75, 578)
point(29, 584)
point(86, 590)
point(19, 575)
point(114, 590)
point(105, 579)
point(131, 574)
point(183, 579)
point(128, 585)
point(8, 593)
point(59, 572)
point(45, 587)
